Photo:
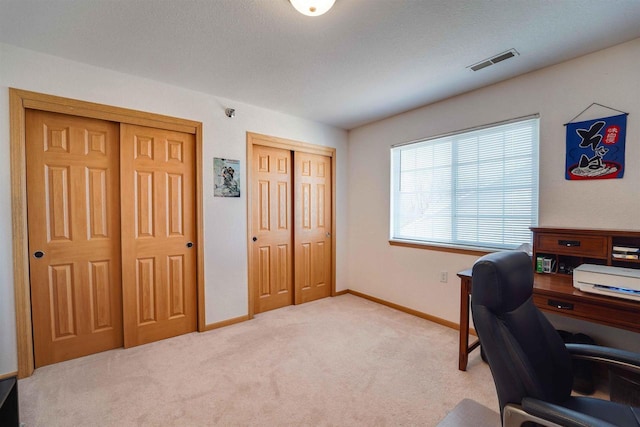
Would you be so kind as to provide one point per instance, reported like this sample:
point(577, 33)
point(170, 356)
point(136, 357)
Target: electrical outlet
point(444, 276)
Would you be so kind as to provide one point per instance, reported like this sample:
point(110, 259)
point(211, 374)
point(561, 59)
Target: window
point(475, 188)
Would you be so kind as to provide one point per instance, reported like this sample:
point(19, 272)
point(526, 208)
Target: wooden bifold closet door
point(111, 229)
point(272, 228)
point(158, 234)
point(74, 235)
point(291, 223)
point(312, 227)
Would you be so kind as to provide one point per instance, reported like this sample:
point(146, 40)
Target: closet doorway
point(107, 227)
point(291, 211)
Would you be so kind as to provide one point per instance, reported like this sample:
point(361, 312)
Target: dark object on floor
point(530, 364)
point(9, 415)
point(583, 381)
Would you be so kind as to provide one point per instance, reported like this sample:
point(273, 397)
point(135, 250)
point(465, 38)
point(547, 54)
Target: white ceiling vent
point(494, 60)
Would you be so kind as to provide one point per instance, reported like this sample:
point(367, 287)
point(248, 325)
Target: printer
point(606, 280)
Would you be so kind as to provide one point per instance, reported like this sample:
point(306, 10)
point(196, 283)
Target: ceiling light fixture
point(312, 7)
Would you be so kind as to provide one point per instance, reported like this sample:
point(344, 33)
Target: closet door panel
point(158, 233)
point(73, 210)
point(313, 224)
point(271, 224)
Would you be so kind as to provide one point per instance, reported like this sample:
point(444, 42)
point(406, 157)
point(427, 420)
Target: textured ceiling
point(361, 61)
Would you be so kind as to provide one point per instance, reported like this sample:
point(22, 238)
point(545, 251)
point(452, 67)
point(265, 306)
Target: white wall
point(225, 229)
point(410, 277)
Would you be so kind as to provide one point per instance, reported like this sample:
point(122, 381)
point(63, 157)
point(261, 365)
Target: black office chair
point(530, 364)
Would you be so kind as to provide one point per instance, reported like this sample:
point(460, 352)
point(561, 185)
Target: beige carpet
point(341, 361)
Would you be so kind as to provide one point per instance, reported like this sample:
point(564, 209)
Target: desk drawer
point(578, 308)
point(577, 245)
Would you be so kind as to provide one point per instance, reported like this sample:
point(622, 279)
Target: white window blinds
point(475, 188)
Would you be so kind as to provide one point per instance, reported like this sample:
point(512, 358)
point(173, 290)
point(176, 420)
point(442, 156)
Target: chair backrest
point(526, 355)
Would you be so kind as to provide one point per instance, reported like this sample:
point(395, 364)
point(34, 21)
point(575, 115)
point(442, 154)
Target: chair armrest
point(560, 415)
point(611, 356)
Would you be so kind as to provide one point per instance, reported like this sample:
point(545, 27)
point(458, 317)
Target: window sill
point(464, 250)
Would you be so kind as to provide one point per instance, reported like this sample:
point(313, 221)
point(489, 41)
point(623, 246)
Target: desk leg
point(463, 352)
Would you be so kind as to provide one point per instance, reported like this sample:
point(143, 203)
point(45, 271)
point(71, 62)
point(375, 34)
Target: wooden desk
point(554, 293)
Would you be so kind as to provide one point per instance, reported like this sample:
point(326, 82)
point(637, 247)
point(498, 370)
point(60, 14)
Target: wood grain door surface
point(111, 223)
point(313, 225)
point(158, 233)
point(74, 235)
point(272, 252)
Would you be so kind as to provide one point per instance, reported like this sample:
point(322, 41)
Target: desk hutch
point(554, 292)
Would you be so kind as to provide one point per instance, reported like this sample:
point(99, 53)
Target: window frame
point(457, 246)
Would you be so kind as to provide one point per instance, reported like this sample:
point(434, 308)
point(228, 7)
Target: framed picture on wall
point(226, 177)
